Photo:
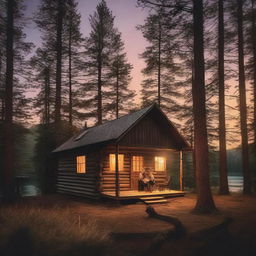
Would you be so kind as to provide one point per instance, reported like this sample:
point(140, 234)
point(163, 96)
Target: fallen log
point(179, 229)
point(178, 232)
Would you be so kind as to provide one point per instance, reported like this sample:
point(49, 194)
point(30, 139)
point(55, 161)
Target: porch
point(135, 194)
point(119, 179)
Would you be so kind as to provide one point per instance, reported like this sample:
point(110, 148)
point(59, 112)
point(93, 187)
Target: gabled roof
point(112, 131)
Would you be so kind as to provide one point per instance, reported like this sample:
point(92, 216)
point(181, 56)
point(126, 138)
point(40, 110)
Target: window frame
point(120, 166)
point(164, 164)
point(139, 164)
point(81, 167)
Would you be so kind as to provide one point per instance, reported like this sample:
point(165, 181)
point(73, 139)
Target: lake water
point(235, 183)
point(30, 190)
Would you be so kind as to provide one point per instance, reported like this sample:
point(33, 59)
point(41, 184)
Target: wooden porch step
point(153, 200)
point(160, 201)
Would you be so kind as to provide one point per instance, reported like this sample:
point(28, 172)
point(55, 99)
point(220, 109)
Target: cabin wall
point(98, 178)
point(78, 184)
point(108, 177)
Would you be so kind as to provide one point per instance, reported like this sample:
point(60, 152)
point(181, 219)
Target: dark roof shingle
point(108, 131)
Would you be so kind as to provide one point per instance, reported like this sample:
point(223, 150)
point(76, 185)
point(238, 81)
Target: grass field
point(59, 225)
point(33, 230)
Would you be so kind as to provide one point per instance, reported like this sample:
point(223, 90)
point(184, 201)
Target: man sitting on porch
point(146, 180)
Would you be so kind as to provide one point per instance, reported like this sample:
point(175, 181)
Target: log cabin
point(87, 163)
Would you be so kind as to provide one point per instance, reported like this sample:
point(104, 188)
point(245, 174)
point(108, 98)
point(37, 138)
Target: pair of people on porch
point(146, 180)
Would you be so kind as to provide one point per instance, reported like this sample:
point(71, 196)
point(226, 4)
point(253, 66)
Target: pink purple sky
point(127, 17)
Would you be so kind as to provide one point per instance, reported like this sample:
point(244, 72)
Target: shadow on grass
point(23, 243)
point(19, 243)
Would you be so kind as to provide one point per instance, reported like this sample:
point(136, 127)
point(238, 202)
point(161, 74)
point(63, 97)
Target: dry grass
point(50, 225)
point(50, 231)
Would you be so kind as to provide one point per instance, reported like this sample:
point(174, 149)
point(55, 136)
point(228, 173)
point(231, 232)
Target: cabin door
point(136, 168)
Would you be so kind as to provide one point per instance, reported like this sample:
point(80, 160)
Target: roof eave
point(102, 143)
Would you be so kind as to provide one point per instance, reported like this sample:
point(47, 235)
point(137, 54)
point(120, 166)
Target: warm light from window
point(160, 164)
point(112, 162)
point(81, 164)
point(137, 163)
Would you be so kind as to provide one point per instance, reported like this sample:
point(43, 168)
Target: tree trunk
point(117, 91)
point(1, 90)
point(192, 141)
point(8, 122)
point(99, 110)
point(205, 203)
point(2, 109)
point(242, 100)
point(47, 96)
point(253, 33)
point(254, 70)
point(159, 66)
point(70, 77)
point(223, 187)
point(99, 60)
point(59, 61)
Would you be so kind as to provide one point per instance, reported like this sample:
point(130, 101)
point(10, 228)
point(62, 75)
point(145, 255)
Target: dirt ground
point(135, 231)
point(133, 218)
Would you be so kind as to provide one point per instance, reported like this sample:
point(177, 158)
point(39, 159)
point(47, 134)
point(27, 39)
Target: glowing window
point(160, 164)
point(112, 162)
point(81, 164)
point(137, 163)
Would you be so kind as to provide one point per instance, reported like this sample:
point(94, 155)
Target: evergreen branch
point(176, 6)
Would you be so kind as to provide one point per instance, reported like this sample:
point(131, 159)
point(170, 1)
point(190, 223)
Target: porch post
point(117, 171)
point(181, 170)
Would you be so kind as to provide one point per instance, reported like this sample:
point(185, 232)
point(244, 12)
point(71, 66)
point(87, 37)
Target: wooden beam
point(142, 148)
point(117, 172)
point(181, 171)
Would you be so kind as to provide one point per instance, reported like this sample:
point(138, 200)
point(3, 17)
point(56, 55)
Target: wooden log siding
point(150, 132)
point(79, 184)
point(108, 177)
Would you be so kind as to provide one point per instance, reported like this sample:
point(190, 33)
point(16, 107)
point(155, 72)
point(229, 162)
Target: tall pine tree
point(161, 84)
point(42, 79)
point(14, 110)
point(223, 187)
point(73, 58)
point(242, 99)
point(205, 201)
point(121, 98)
point(107, 67)
point(2, 54)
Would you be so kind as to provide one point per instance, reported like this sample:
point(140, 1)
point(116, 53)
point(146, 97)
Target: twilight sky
point(127, 17)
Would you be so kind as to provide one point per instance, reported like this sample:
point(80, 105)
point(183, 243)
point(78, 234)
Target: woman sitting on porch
point(146, 180)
